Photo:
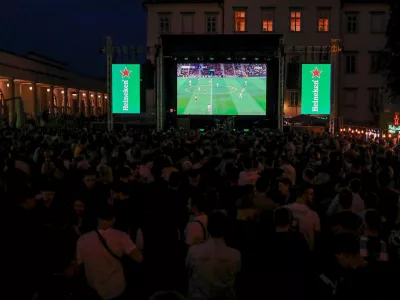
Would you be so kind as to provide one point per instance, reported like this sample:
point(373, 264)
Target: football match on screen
point(221, 89)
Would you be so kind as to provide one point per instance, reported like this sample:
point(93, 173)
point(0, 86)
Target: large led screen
point(125, 89)
point(221, 89)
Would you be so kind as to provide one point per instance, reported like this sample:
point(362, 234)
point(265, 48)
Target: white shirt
point(308, 220)
point(356, 207)
point(104, 273)
point(213, 267)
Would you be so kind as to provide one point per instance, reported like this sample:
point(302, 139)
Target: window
point(295, 21)
point(187, 22)
point(350, 97)
point(374, 97)
point(374, 63)
point(351, 63)
point(294, 98)
point(323, 20)
point(240, 21)
point(268, 20)
point(378, 22)
point(211, 23)
point(164, 23)
point(352, 22)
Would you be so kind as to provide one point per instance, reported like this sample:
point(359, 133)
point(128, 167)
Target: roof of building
point(365, 1)
point(180, 1)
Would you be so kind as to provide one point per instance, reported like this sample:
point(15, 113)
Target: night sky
point(71, 31)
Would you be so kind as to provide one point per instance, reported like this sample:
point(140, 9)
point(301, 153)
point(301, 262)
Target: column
point(12, 113)
point(51, 100)
point(80, 102)
point(65, 102)
point(35, 100)
point(96, 103)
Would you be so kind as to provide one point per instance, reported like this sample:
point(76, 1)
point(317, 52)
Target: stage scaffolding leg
point(109, 51)
point(160, 90)
point(335, 50)
point(281, 87)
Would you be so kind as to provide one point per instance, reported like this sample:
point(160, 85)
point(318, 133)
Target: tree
point(392, 50)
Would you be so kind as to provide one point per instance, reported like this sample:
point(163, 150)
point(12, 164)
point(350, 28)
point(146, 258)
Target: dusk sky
point(71, 31)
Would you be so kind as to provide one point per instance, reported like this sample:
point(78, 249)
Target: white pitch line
point(211, 104)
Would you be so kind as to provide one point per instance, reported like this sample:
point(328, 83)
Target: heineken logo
point(125, 74)
point(315, 74)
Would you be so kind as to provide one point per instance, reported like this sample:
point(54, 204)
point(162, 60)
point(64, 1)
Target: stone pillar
point(35, 100)
point(12, 110)
point(51, 100)
point(96, 103)
point(65, 102)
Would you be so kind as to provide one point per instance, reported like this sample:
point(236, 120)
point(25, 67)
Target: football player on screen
point(195, 97)
point(209, 108)
point(190, 83)
point(217, 84)
point(245, 83)
point(240, 96)
point(205, 91)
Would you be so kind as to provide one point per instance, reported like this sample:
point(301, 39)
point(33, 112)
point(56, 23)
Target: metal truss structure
point(160, 110)
point(304, 53)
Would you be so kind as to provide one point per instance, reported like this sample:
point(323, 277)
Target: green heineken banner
point(125, 89)
point(316, 89)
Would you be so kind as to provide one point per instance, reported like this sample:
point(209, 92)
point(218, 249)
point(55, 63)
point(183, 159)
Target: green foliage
point(392, 50)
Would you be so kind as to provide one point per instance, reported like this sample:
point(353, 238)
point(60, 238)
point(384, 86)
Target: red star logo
point(316, 73)
point(126, 73)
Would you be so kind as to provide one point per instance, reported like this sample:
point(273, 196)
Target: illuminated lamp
point(30, 88)
point(48, 90)
point(74, 94)
point(62, 92)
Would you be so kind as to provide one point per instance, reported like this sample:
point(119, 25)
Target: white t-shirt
point(104, 273)
point(308, 220)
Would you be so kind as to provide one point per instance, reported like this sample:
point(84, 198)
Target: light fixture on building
point(98, 96)
point(30, 88)
point(62, 92)
point(91, 95)
point(8, 85)
point(83, 94)
point(74, 93)
point(105, 97)
point(48, 90)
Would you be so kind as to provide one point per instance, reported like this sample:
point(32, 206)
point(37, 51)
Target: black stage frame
point(232, 48)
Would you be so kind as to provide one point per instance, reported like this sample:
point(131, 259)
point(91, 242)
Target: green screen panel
point(125, 89)
point(316, 89)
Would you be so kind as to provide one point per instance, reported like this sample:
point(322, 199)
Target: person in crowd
point(213, 266)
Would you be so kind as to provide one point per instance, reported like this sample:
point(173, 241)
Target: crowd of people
point(199, 215)
point(255, 69)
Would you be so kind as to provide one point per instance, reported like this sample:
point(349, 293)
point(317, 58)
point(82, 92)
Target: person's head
point(284, 186)
point(79, 206)
point(282, 218)
point(348, 222)
point(345, 200)
point(247, 162)
point(194, 176)
point(308, 175)
point(175, 180)
point(217, 225)
point(355, 185)
point(373, 221)
point(119, 190)
point(27, 199)
point(47, 191)
point(105, 173)
point(198, 204)
point(385, 176)
point(347, 250)
point(106, 216)
point(167, 295)
point(305, 194)
point(125, 174)
point(89, 178)
point(262, 185)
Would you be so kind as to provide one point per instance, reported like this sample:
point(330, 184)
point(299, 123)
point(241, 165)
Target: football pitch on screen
point(221, 96)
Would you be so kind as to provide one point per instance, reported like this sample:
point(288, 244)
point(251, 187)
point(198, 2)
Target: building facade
point(34, 84)
point(359, 24)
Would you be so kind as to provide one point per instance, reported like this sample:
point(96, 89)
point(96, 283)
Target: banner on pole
point(316, 89)
point(125, 89)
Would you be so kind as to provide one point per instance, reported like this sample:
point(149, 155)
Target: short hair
point(345, 199)
point(355, 185)
point(262, 184)
point(167, 295)
point(303, 188)
point(373, 219)
point(282, 216)
point(346, 243)
point(106, 212)
point(217, 224)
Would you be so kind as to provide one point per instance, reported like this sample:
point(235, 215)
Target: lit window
point(268, 18)
point(295, 21)
point(323, 20)
point(240, 21)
